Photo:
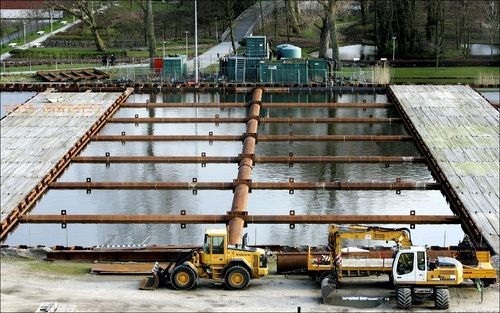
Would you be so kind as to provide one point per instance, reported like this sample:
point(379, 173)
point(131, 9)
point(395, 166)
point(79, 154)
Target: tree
point(329, 22)
point(229, 10)
point(324, 37)
point(88, 11)
point(147, 9)
point(290, 9)
point(491, 19)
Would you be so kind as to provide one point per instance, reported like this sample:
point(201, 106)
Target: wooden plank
point(461, 130)
point(34, 139)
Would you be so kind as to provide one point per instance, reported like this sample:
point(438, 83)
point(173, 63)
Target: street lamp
point(24, 31)
point(164, 43)
point(186, 32)
point(196, 42)
point(51, 21)
point(393, 47)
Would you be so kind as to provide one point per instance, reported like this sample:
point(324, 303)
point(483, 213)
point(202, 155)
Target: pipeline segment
point(241, 190)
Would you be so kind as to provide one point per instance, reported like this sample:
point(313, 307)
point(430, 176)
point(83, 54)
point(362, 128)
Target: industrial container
point(175, 68)
point(319, 70)
point(241, 69)
point(288, 51)
point(256, 47)
point(158, 65)
point(284, 71)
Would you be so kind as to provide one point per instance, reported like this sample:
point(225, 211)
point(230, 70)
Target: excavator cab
point(416, 279)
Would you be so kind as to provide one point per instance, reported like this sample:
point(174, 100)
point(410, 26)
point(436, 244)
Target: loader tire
point(183, 278)
point(236, 278)
point(403, 298)
point(442, 296)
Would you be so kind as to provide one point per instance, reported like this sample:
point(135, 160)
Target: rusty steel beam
point(186, 105)
point(257, 159)
point(245, 166)
point(289, 120)
point(263, 138)
point(250, 219)
point(10, 222)
point(372, 105)
point(247, 183)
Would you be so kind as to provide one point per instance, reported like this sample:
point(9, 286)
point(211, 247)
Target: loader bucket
point(152, 283)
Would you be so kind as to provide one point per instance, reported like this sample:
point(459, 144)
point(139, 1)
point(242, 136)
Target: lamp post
point(393, 47)
point(51, 20)
point(195, 41)
point(186, 32)
point(24, 31)
point(164, 43)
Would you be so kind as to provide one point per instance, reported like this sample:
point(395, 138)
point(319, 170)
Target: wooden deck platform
point(459, 132)
point(39, 137)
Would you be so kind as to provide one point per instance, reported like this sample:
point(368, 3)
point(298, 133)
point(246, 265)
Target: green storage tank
point(288, 51)
point(319, 70)
point(256, 47)
point(284, 71)
point(175, 68)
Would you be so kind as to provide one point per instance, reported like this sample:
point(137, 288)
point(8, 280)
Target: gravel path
point(24, 288)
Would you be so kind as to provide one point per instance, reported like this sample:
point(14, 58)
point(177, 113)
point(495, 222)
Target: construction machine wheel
point(441, 300)
point(236, 278)
point(403, 298)
point(183, 278)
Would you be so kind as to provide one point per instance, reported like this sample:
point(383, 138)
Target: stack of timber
point(72, 75)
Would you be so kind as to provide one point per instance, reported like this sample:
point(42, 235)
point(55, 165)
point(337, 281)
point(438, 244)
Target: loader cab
point(410, 266)
point(214, 247)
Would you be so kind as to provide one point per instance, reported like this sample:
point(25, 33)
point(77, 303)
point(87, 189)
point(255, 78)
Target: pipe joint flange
point(247, 182)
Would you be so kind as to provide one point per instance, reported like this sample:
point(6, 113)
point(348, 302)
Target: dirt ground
point(24, 287)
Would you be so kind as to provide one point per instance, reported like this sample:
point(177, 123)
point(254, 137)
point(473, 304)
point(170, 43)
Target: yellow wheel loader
point(232, 265)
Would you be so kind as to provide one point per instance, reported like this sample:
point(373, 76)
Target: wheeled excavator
point(234, 266)
point(415, 275)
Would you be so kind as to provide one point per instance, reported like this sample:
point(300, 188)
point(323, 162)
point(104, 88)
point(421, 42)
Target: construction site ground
point(26, 283)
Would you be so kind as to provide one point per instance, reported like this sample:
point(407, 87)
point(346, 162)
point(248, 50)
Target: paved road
point(243, 27)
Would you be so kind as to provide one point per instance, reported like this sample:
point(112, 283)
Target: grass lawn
point(441, 74)
point(32, 36)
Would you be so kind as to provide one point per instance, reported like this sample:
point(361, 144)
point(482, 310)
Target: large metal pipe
point(244, 183)
point(257, 159)
point(241, 190)
point(225, 218)
point(263, 138)
point(289, 120)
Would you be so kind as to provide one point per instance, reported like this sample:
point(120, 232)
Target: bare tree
point(329, 8)
point(324, 36)
point(147, 9)
point(229, 10)
point(490, 10)
point(88, 12)
point(290, 9)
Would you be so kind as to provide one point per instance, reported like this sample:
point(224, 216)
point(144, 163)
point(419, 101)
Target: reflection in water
point(219, 202)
